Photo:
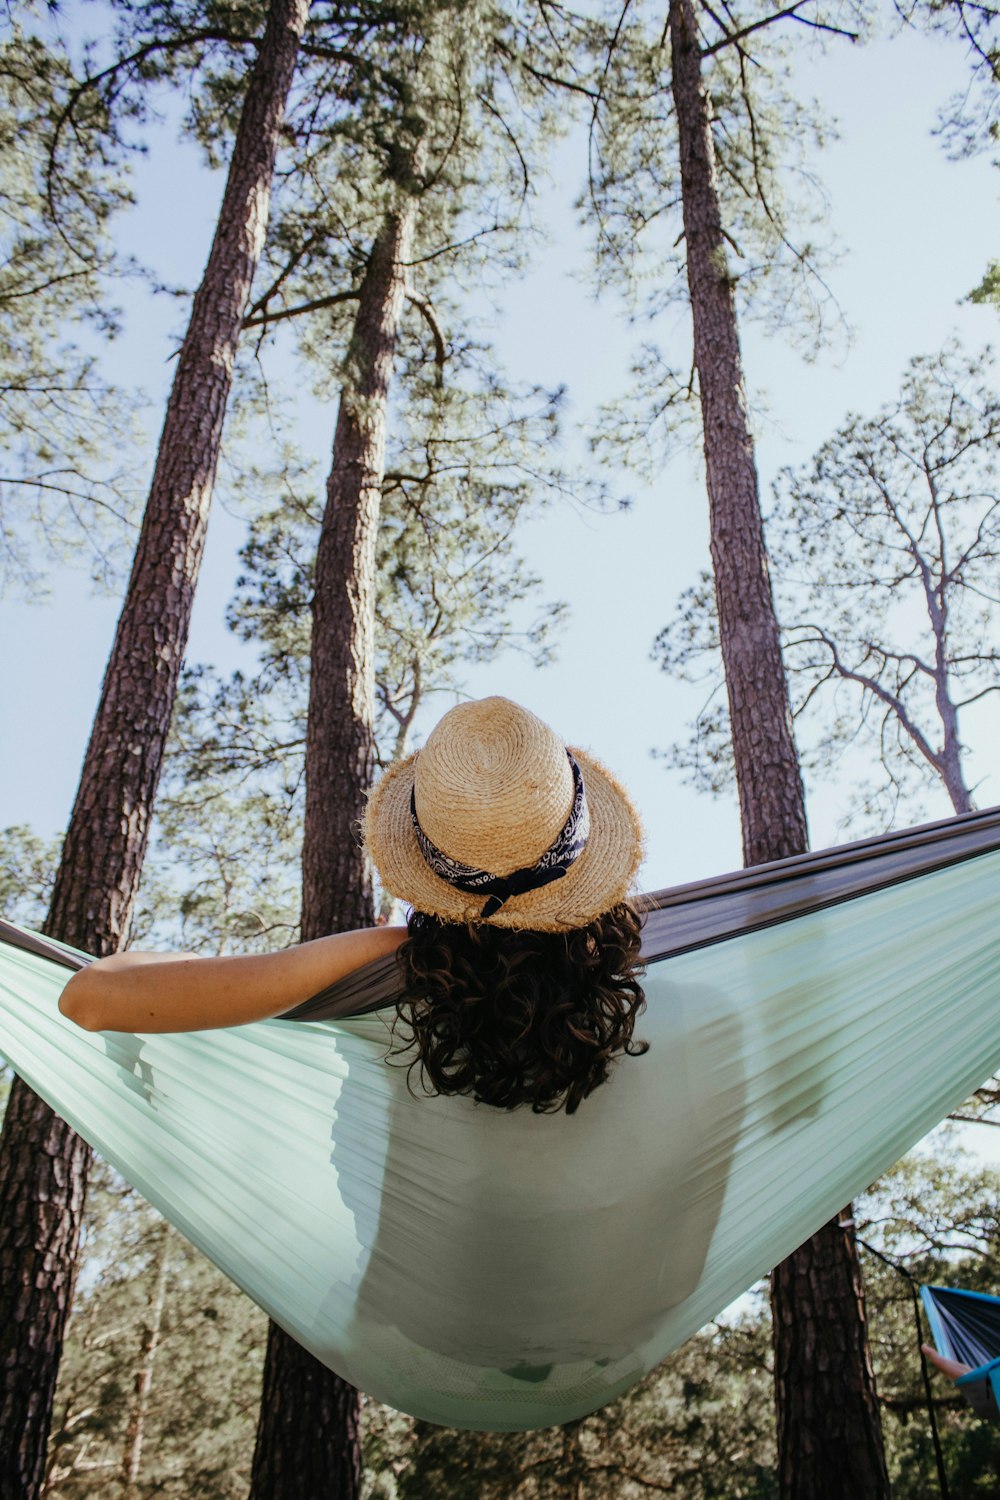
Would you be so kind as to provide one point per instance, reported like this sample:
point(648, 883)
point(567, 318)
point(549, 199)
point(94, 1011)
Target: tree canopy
point(885, 551)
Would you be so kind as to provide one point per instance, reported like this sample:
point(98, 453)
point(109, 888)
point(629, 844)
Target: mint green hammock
point(808, 1020)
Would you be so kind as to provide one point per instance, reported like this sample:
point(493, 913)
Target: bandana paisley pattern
point(556, 862)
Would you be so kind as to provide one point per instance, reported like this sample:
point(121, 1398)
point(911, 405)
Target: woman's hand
point(152, 992)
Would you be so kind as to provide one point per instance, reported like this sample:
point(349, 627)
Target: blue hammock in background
point(966, 1326)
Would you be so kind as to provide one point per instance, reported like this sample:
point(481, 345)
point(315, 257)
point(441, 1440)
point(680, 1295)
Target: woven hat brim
point(600, 878)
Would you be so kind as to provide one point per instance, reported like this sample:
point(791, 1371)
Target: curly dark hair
point(517, 1017)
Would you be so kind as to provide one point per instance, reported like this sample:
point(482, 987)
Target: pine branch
point(893, 703)
point(261, 304)
point(94, 81)
point(424, 305)
point(790, 12)
point(259, 320)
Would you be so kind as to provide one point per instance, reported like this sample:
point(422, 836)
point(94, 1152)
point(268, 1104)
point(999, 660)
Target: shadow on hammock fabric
point(966, 1327)
point(808, 1022)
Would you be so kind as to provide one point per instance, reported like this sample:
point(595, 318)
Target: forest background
point(916, 231)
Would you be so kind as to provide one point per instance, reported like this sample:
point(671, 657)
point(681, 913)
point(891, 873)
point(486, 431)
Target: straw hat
point(495, 819)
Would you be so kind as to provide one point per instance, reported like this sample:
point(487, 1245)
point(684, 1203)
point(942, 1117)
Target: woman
point(520, 954)
point(478, 1246)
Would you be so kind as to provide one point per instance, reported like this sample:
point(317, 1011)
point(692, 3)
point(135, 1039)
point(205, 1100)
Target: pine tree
point(725, 140)
point(898, 513)
point(829, 1429)
point(43, 1164)
point(411, 165)
point(886, 547)
point(299, 1395)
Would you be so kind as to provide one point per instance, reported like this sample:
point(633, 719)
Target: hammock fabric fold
point(966, 1326)
point(808, 1020)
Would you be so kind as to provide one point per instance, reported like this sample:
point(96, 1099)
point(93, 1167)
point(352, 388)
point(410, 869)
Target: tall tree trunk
point(389, 908)
point(949, 765)
point(149, 1344)
point(308, 1434)
point(43, 1164)
point(948, 761)
point(829, 1429)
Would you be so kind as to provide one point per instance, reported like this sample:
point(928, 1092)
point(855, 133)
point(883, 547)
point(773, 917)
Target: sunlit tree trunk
point(308, 1432)
point(952, 770)
point(829, 1429)
point(43, 1164)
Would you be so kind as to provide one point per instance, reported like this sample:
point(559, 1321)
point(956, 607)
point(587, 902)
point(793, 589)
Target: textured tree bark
point(952, 773)
point(829, 1429)
point(950, 759)
point(340, 750)
point(308, 1433)
point(309, 1428)
point(43, 1164)
point(772, 802)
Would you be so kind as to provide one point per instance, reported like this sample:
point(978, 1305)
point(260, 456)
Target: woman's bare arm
point(950, 1367)
point(181, 992)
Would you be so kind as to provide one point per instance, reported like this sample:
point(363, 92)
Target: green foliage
point(935, 1216)
point(773, 208)
point(468, 459)
point(457, 116)
point(222, 876)
point(970, 121)
point(201, 1411)
point(763, 137)
point(987, 293)
point(466, 466)
point(222, 872)
point(27, 873)
point(469, 96)
point(688, 649)
point(64, 487)
point(209, 47)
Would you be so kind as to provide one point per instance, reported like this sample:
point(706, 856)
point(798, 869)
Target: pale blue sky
point(917, 231)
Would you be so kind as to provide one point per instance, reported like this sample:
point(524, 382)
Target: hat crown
point(493, 786)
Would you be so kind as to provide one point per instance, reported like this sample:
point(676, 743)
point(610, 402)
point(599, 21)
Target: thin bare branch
point(425, 306)
point(258, 320)
point(790, 12)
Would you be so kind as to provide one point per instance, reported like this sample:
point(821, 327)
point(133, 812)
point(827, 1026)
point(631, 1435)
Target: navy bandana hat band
point(552, 865)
